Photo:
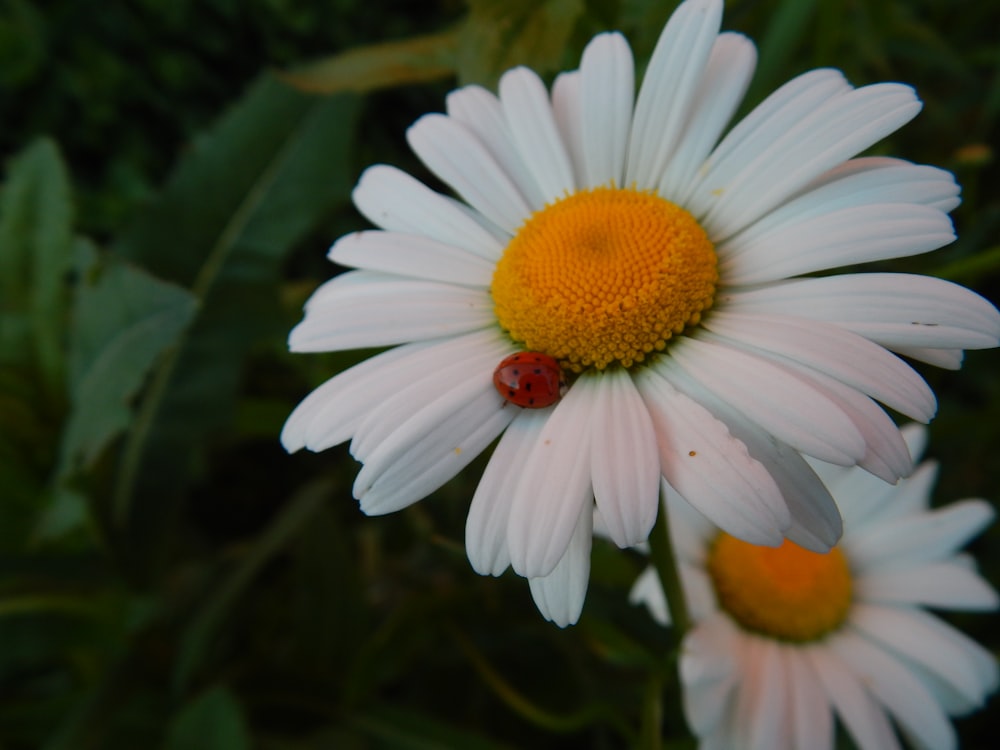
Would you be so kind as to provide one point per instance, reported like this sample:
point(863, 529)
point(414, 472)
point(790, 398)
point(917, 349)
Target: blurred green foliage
point(168, 576)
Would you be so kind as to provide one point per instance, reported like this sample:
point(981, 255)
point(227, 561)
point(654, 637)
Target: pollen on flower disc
point(785, 592)
point(604, 276)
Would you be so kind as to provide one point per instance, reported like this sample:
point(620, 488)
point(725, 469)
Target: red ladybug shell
point(529, 379)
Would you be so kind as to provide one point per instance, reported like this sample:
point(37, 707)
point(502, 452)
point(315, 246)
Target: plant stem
point(661, 553)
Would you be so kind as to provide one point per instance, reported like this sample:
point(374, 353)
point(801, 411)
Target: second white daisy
point(785, 639)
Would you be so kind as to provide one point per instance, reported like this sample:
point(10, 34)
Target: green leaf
point(246, 192)
point(205, 625)
point(786, 31)
point(36, 219)
point(500, 34)
point(213, 721)
point(415, 60)
point(123, 320)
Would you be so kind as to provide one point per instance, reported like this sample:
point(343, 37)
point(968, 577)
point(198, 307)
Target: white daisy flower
point(785, 639)
point(664, 270)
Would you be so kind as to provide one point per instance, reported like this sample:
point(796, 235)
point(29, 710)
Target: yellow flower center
point(785, 592)
point(604, 276)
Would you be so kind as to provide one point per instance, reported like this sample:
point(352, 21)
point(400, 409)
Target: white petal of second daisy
point(925, 640)
point(860, 713)
point(648, 592)
point(935, 534)
point(554, 486)
point(559, 596)
point(709, 672)
point(764, 714)
point(625, 465)
point(948, 585)
point(811, 717)
point(905, 696)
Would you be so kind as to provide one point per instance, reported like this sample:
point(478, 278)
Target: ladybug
point(529, 379)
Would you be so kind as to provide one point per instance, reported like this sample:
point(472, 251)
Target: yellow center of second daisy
point(785, 592)
point(604, 276)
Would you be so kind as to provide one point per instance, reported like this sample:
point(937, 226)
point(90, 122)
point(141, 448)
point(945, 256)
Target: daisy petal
point(776, 399)
point(489, 513)
point(811, 717)
point(907, 699)
point(925, 640)
point(419, 383)
point(754, 134)
point(698, 531)
point(671, 81)
point(482, 113)
point(528, 111)
point(815, 519)
point(647, 591)
point(846, 356)
point(430, 447)
point(708, 672)
point(859, 234)
point(710, 468)
point(413, 256)
point(803, 149)
point(946, 359)
point(324, 419)
point(910, 496)
point(761, 713)
point(460, 159)
point(891, 309)
point(863, 717)
point(336, 410)
point(360, 309)
point(864, 181)
point(932, 535)
point(722, 87)
point(948, 585)
point(566, 108)
point(395, 201)
point(607, 82)
point(559, 595)
point(554, 486)
point(886, 456)
point(625, 467)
